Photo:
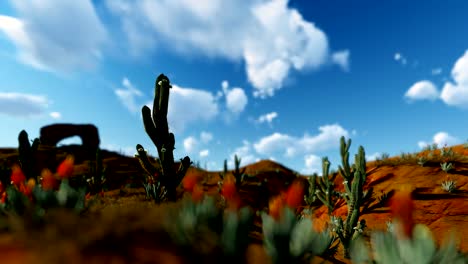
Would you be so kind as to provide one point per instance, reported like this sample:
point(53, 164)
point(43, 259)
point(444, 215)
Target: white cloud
point(206, 137)
point(268, 118)
point(313, 164)
point(236, 99)
point(127, 95)
point(328, 138)
point(436, 71)
point(56, 35)
point(245, 153)
point(270, 37)
point(204, 153)
point(373, 156)
point(341, 58)
point(422, 90)
point(22, 105)
point(190, 145)
point(456, 93)
point(441, 139)
point(55, 115)
point(201, 104)
point(400, 58)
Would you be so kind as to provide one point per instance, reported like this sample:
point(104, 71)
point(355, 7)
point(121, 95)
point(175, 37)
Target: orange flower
point(65, 169)
point(198, 193)
point(28, 188)
point(189, 182)
point(295, 194)
point(17, 175)
point(402, 207)
point(229, 187)
point(276, 205)
point(3, 198)
point(49, 182)
point(2, 188)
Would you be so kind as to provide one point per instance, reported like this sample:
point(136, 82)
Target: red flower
point(197, 193)
point(402, 207)
point(276, 206)
point(65, 169)
point(48, 182)
point(229, 187)
point(189, 182)
point(2, 188)
point(3, 198)
point(295, 194)
point(17, 175)
point(28, 188)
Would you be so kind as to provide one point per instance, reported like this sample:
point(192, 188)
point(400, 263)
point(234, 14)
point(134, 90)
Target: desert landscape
point(125, 226)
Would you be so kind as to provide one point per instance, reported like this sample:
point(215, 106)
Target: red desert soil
point(442, 212)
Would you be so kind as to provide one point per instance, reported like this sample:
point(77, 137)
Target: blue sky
point(262, 79)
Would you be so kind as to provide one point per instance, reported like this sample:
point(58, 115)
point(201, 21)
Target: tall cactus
point(157, 128)
point(325, 187)
point(26, 153)
point(354, 179)
point(238, 173)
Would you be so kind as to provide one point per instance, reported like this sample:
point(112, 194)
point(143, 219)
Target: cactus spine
point(157, 128)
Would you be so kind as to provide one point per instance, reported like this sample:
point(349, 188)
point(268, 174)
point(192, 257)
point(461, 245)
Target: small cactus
point(446, 166)
point(449, 186)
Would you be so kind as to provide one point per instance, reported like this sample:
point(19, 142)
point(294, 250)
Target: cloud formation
point(341, 58)
point(456, 93)
point(57, 36)
point(23, 105)
point(441, 139)
point(128, 94)
point(270, 37)
point(422, 90)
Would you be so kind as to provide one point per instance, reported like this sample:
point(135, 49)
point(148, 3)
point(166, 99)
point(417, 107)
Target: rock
point(52, 134)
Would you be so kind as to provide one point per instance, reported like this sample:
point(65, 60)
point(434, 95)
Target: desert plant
point(26, 154)
point(96, 178)
point(449, 186)
point(311, 197)
point(353, 182)
point(325, 187)
point(157, 128)
point(446, 166)
point(422, 161)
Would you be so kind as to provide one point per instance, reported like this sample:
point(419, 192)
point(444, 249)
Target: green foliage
point(446, 166)
point(325, 187)
point(96, 178)
point(420, 249)
point(449, 186)
point(311, 197)
point(293, 240)
point(157, 128)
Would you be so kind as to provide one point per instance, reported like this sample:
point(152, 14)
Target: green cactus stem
point(238, 173)
point(26, 153)
point(157, 128)
point(325, 190)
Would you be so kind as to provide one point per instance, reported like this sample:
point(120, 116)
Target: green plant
point(96, 178)
point(325, 187)
point(311, 197)
point(293, 240)
point(238, 173)
point(157, 128)
point(354, 179)
point(422, 161)
point(420, 249)
point(446, 166)
point(449, 186)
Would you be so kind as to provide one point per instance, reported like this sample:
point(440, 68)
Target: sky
point(263, 79)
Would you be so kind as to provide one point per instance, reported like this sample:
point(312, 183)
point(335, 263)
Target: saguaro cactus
point(157, 128)
point(26, 153)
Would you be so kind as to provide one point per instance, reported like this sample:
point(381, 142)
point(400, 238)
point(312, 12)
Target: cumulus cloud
point(127, 95)
point(202, 106)
point(193, 144)
point(22, 105)
point(267, 118)
point(270, 37)
point(373, 157)
point(400, 58)
point(204, 153)
point(245, 152)
point(236, 99)
point(441, 139)
point(55, 115)
point(56, 35)
point(341, 58)
point(313, 164)
point(456, 93)
point(422, 90)
point(291, 146)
